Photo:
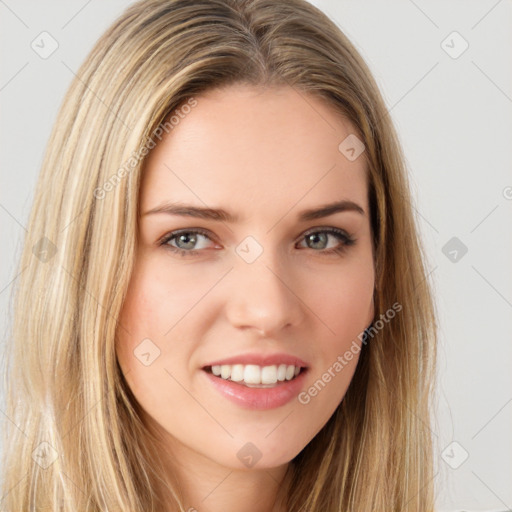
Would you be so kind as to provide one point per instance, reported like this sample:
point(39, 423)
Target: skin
point(264, 154)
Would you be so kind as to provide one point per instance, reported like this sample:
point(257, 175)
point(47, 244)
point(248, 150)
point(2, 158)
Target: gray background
point(453, 113)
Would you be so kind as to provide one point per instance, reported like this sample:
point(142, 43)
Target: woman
point(224, 303)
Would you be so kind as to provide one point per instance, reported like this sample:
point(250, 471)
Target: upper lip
point(260, 360)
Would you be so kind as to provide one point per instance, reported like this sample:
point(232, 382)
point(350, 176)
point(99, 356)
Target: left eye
point(184, 242)
point(321, 237)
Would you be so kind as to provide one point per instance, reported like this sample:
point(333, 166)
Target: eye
point(184, 242)
point(319, 239)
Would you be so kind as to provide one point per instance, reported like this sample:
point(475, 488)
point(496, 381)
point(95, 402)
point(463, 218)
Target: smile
point(253, 375)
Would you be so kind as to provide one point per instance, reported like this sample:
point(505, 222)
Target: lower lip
point(258, 398)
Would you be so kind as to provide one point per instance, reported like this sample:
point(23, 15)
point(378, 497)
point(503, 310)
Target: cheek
point(142, 318)
point(157, 299)
point(141, 350)
point(345, 302)
point(345, 307)
point(158, 309)
point(139, 310)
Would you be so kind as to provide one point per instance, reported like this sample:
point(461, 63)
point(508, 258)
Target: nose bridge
point(263, 296)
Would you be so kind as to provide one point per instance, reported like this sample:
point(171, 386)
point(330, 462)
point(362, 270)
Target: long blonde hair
point(74, 439)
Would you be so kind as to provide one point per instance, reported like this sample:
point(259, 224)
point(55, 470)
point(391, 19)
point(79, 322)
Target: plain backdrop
point(445, 71)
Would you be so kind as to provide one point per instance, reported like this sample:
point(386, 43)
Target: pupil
point(322, 236)
point(189, 236)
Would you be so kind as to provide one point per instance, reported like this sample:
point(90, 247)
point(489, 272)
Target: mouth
point(256, 387)
point(255, 376)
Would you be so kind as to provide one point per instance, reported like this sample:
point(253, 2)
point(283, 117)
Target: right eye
point(184, 240)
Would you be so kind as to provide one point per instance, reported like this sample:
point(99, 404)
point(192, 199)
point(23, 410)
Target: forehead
point(256, 150)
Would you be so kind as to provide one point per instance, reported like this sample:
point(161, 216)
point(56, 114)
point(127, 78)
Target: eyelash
point(338, 233)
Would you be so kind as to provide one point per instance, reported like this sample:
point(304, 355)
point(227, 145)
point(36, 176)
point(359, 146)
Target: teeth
point(225, 371)
point(268, 375)
point(237, 372)
point(252, 374)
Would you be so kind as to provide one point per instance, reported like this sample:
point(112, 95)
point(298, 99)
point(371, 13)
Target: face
point(261, 286)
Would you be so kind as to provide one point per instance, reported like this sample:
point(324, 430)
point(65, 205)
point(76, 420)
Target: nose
point(264, 297)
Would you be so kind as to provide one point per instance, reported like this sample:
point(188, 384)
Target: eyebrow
point(219, 214)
